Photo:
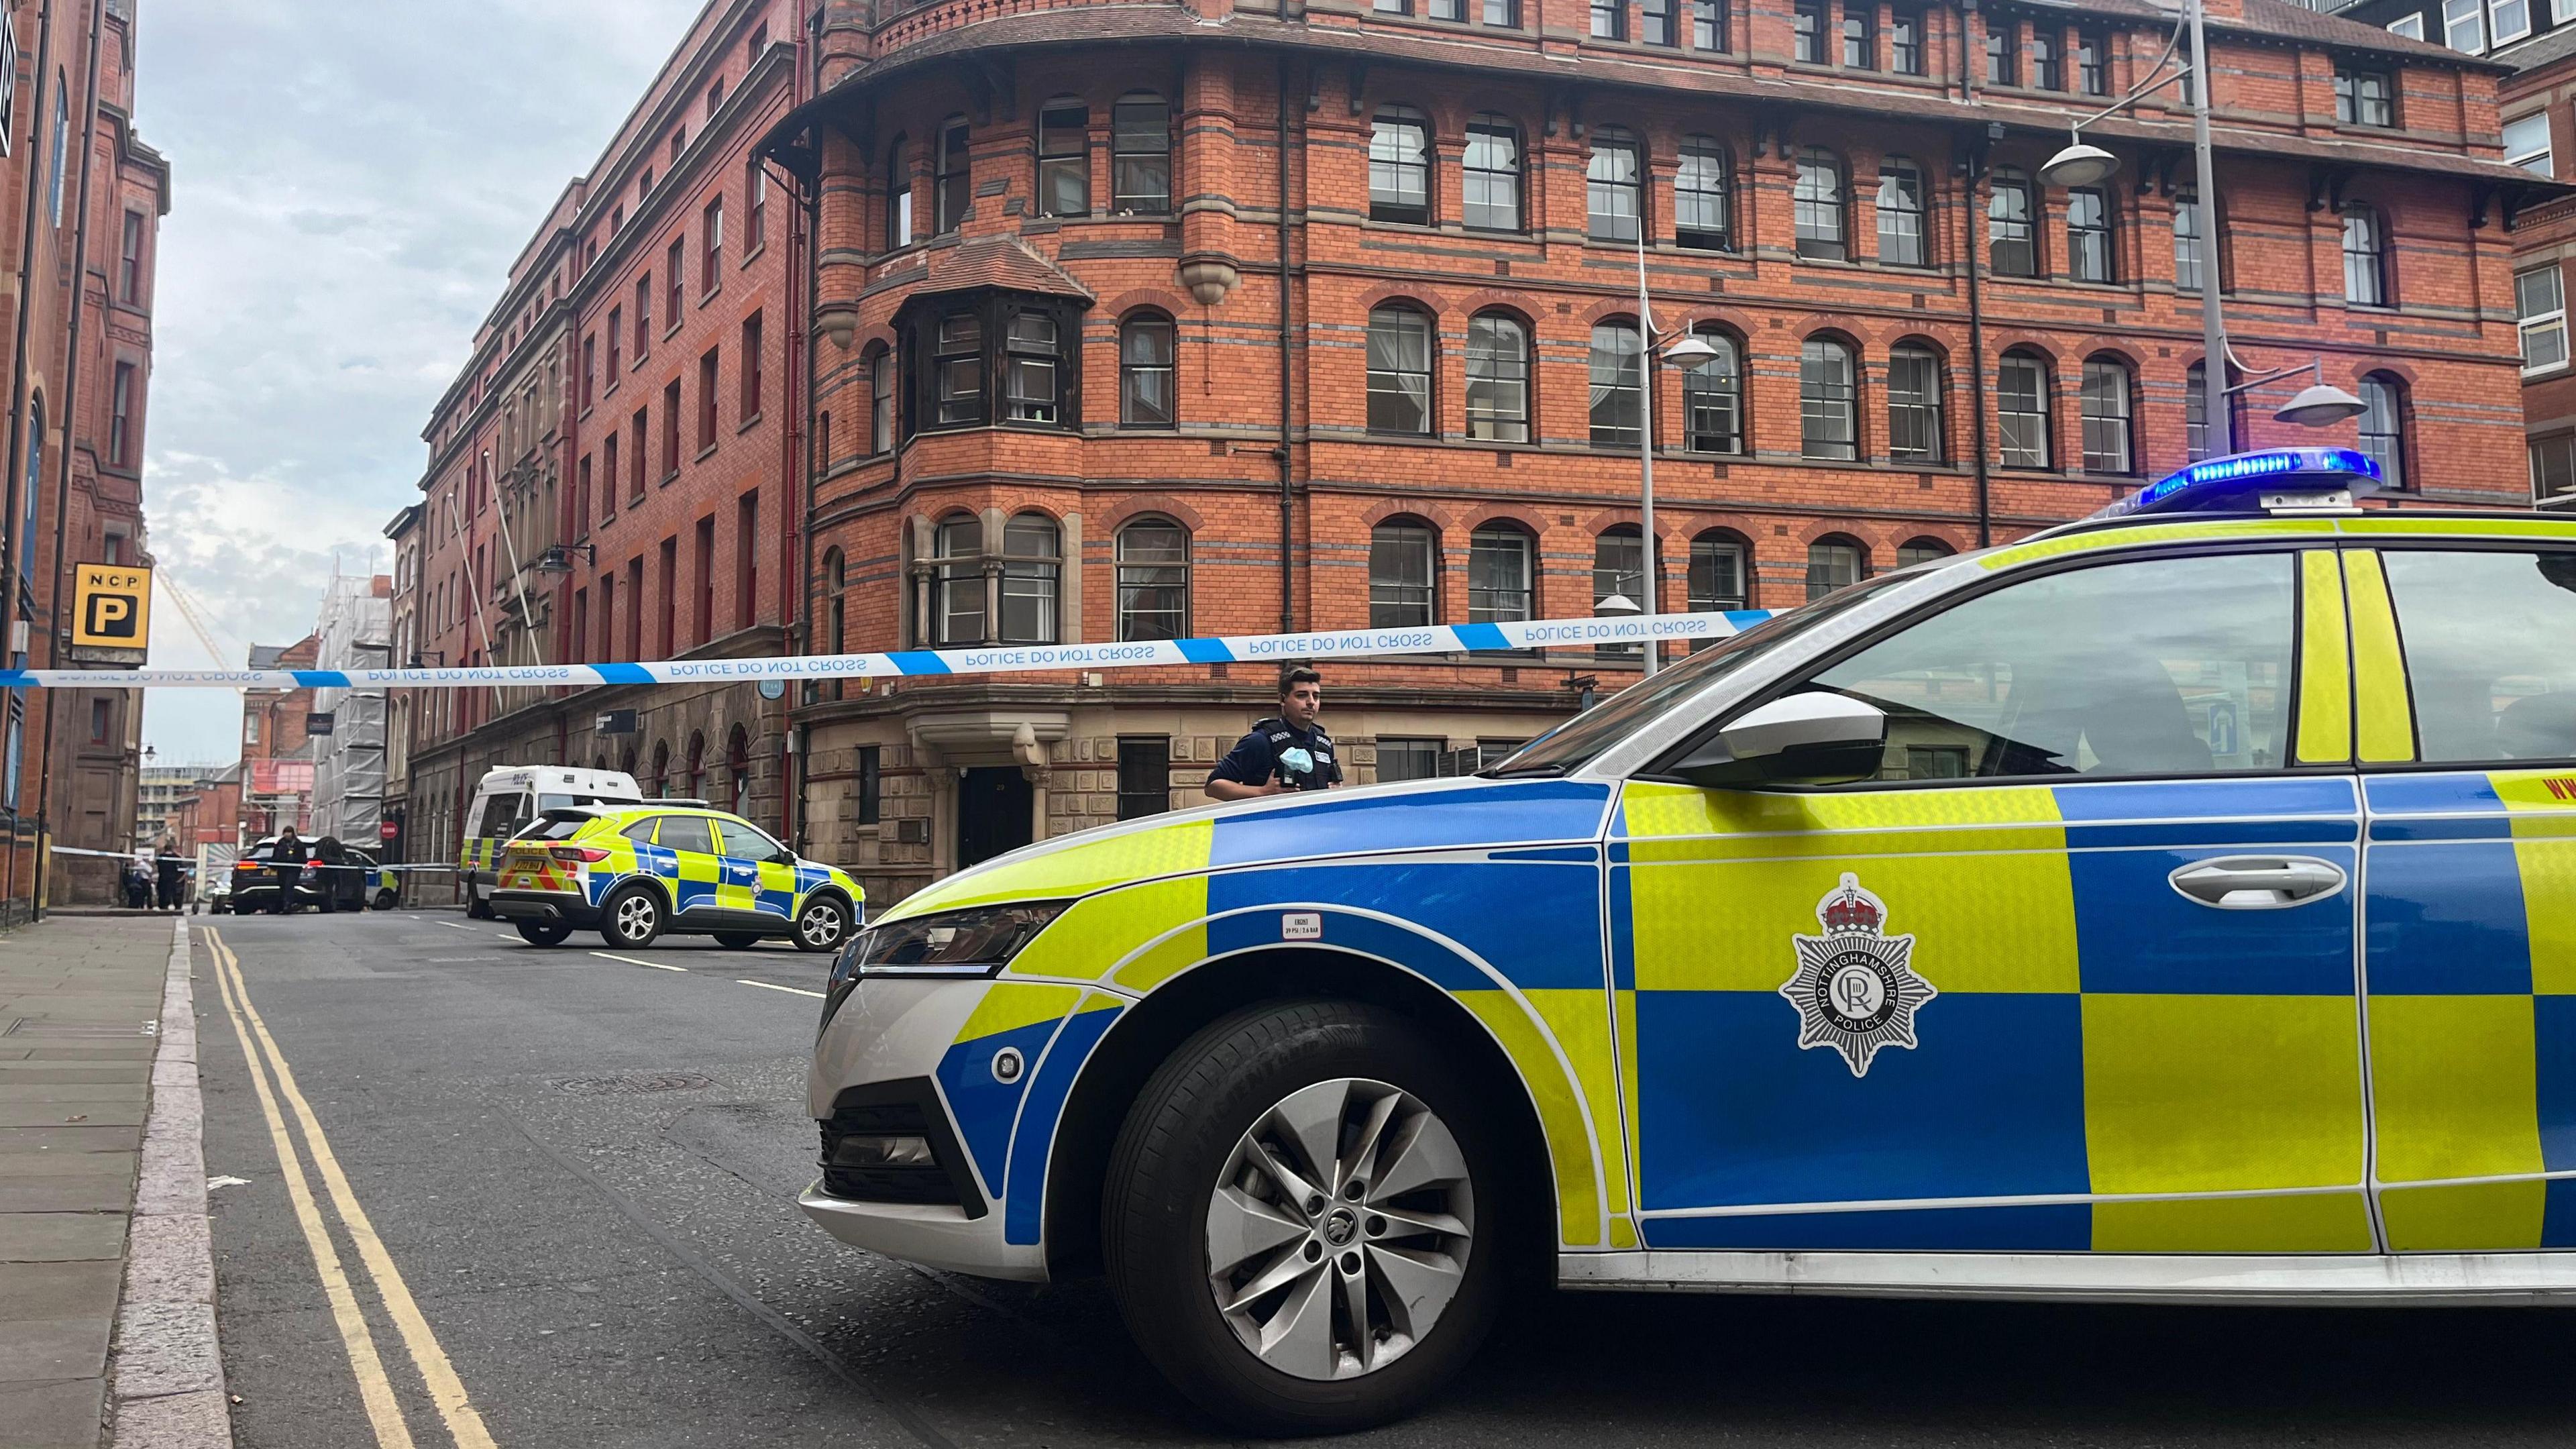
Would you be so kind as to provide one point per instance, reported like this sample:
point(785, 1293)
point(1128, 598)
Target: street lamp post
point(1686, 352)
point(2080, 164)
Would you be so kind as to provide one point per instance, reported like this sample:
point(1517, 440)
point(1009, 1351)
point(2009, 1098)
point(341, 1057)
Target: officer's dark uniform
point(1299, 759)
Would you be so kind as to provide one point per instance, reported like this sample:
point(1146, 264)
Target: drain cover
point(78, 1031)
point(634, 1085)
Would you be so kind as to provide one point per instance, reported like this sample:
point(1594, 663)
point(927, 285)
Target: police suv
point(2176, 905)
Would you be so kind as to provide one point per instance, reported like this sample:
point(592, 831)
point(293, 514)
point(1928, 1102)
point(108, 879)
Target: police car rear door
point(2074, 972)
point(2465, 685)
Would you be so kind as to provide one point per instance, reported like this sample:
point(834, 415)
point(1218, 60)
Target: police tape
point(1523, 634)
point(186, 864)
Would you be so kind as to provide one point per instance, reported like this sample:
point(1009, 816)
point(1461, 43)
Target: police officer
point(1288, 751)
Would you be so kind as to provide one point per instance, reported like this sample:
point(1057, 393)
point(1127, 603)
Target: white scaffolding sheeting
point(349, 763)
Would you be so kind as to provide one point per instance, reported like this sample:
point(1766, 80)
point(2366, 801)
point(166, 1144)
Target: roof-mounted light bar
point(2271, 479)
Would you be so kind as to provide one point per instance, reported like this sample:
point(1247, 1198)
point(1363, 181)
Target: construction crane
point(197, 625)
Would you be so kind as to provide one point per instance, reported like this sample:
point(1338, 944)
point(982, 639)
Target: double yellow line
point(375, 1389)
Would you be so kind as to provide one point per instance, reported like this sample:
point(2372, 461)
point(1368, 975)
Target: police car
point(2177, 905)
point(634, 872)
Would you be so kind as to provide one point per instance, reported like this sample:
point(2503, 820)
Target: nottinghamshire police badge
point(1855, 990)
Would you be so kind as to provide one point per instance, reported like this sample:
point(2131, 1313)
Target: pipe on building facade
point(1287, 465)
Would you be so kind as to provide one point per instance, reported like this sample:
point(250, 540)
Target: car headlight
point(972, 943)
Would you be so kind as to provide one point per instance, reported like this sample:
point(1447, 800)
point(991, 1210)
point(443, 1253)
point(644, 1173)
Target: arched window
point(1613, 182)
point(1701, 215)
point(1064, 158)
point(881, 400)
point(1915, 394)
point(1140, 155)
point(1145, 361)
point(1493, 174)
point(738, 770)
point(1032, 560)
point(2021, 407)
point(2365, 260)
point(659, 783)
point(1401, 574)
point(1153, 580)
point(1828, 400)
point(2383, 426)
point(626, 764)
point(954, 180)
point(836, 620)
point(1618, 385)
point(2107, 446)
point(1498, 368)
point(1834, 561)
point(1502, 574)
point(1713, 396)
point(1817, 205)
point(1717, 575)
point(1399, 371)
point(957, 582)
point(697, 765)
point(1921, 550)
point(1900, 213)
point(898, 215)
point(1619, 582)
point(2088, 235)
point(1400, 166)
point(2012, 221)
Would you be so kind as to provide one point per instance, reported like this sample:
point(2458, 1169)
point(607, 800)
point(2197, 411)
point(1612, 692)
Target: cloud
point(350, 185)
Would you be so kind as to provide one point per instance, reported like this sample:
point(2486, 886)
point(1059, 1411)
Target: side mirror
point(1816, 738)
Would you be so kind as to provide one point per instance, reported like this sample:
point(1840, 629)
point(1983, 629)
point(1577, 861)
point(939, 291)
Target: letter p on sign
point(112, 606)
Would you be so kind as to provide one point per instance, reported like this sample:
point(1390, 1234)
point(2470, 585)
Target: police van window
point(687, 832)
point(2157, 667)
point(2487, 658)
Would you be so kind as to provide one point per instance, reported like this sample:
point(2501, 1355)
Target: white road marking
point(766, 986)
point(456, 925)
point(631, 961)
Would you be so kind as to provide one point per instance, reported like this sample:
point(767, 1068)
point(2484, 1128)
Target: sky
point(350, 183)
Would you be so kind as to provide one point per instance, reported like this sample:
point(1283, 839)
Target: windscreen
point(1605, 724)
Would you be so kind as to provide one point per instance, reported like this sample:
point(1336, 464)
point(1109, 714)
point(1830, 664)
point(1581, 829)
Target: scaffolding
point(349, 763)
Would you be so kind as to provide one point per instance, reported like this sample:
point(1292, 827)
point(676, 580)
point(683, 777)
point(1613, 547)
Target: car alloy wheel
point(1339, 1229)
point(635, 918)
point(822, 926)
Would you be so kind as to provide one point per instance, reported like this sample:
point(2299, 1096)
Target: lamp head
point(1615, 604)
point(2321, 405)
point(1690, 351)
point(2079, 164)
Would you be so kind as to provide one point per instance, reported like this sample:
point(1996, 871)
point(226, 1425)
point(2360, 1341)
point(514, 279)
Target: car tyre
point(476, 908)
point(737, 940)
point(384, 900)
point(632, 918)
point(823, 925)
point(1202, 1208)
point(543, 933)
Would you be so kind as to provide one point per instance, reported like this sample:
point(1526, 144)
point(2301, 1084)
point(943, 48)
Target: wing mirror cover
point(1815, 738)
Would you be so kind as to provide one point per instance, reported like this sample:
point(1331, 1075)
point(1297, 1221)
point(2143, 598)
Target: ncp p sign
point(111, 613)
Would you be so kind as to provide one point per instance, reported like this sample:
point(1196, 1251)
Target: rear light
point(577, 854)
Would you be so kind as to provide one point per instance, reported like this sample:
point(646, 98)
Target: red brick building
point(1228, 316)
point(275, 788)
point(613, 475)
point(81, 197)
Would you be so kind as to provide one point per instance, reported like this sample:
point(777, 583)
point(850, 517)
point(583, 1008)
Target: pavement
point(106, 1289)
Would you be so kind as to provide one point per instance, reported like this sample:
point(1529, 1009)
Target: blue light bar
point(2226, 484)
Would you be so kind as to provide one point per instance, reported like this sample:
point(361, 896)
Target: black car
point(254, 880)
point(337, 877)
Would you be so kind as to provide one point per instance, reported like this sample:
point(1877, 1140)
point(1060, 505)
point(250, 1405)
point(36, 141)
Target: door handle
point(2258, 882)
